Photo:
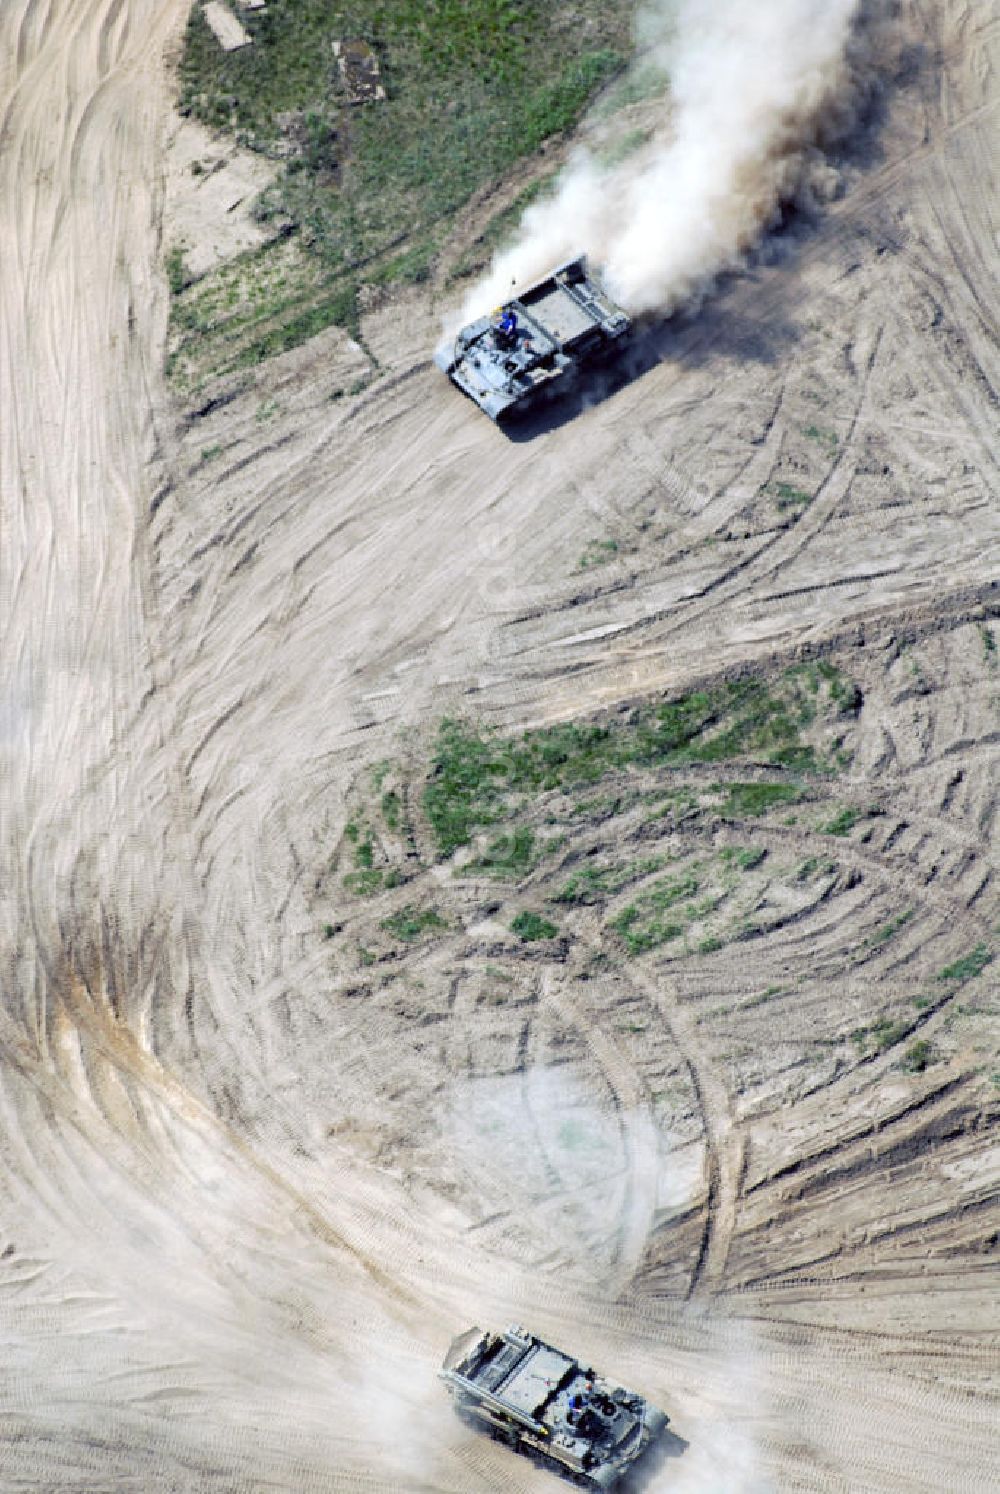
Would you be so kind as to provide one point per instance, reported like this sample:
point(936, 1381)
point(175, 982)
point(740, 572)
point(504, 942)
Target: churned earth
point(649, 1000)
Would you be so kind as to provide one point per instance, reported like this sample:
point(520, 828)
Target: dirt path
point(253, 1179)
point(725, 1145)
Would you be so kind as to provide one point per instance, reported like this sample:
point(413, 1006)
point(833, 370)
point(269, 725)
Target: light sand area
point(252, 1179)
point(211, 185)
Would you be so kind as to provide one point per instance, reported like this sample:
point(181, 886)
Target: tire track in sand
point(724, 1141)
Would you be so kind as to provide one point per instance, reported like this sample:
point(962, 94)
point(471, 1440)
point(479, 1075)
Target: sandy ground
point(210, 186)
point(252, 1180)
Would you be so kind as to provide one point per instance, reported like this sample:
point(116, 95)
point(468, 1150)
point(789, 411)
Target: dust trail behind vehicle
point(755, 92)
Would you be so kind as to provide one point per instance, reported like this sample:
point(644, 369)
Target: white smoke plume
point(756, 87)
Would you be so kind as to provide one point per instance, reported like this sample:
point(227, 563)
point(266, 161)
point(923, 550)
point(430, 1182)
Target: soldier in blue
point(506, 329)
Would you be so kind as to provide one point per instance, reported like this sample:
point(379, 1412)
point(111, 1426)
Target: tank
point(548, 1405)
point(535, 345)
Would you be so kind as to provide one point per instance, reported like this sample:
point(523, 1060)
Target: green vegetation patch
point(392, 809)
point(814, 866)
point(648, 923)
point(472, 86)
point(843, 822)
point(969, 966)
point(824, 437)
point(371, 871)
point(745, 857)
point(263, 302)
point(364, 883)
point(788, 497)
point(618, 150)
point(410, 922)
point(475, 774)
point(478, 778)
point(885, 1034)
point(746, 799)
point(177, 273)
point(364, 852)
point(888, 930)
point(591, 884)
point(510, 855)
point(918, 1056)
point(598, 552)
point(532, 926)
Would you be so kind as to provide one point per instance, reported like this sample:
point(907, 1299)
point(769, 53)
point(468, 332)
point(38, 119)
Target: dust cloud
point(755, 94)
point(579, 1180)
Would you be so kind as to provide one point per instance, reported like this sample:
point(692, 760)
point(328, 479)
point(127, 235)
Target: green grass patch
point(532, 926)
point(969, 966)
point(474, 775)
point(598, 552)
point(642, 82)
point(473, 87)
point(844, 693)
point(843, 822)
point(786, 496)
point(646, 924)
point(885, 1034)
point(509, 855)
point(339, 308)
point(177, 272)
point(918, 1056)
point(745, 857)
point(883, 934)
point(478, 778)
point(763, 997)
point(392, 809)
point(681, 802)
point(745, 800)
point(410, 922)
point(591, 884)
point(364, 883)
point(826, 438)
point(814, 866)
point(602, 806)
point(261, 302)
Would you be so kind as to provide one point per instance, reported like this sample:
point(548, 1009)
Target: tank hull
point(549, 1406)
point(565, 324)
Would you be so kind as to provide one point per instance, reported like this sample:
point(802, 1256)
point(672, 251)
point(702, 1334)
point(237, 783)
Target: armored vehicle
point(546, 1404)
point(533, 345)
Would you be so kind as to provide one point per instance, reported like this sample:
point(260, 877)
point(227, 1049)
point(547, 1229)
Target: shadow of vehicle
point(686, 340)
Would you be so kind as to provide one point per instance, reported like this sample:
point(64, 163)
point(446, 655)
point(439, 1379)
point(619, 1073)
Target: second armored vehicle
point(532, 345)
point(549, 1405)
